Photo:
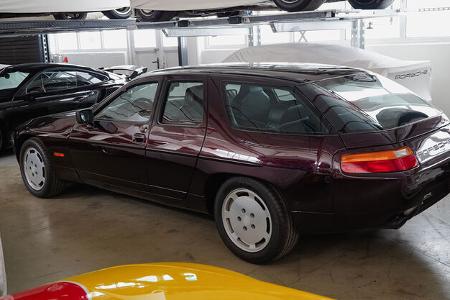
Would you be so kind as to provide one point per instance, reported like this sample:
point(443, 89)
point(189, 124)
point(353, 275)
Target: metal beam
point(14, 28)
point(11, 28)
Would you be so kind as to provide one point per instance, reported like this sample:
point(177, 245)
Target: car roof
point(290, 71)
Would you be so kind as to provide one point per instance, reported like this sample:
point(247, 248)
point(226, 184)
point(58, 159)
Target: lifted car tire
point(120, 13)
point(370, 4)
point(298, 5)
point(37, 171)
point(144, 15)
point(70, 16)
point(253, 221)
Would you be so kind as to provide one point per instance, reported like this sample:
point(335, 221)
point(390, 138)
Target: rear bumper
point(378, 203)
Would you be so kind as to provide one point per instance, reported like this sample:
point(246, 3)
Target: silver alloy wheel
point(147, 12)
point(34, 169)
point(123, 10)
point(246, 220)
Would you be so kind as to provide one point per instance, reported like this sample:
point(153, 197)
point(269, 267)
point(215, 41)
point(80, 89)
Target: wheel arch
point(20, 141)
point(215, 181)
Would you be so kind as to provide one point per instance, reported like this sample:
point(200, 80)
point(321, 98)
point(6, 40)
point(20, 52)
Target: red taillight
point(379, 162)
point(58, 154)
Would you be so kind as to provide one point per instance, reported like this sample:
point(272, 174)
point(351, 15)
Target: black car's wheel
point(120, 13)
point(298, 5)
point(1, 140)
point(370, 4)
point(37, 171)
point(253, 221)
point(145, 15)
point(70, 16)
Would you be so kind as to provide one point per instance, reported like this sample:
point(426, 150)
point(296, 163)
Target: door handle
point(139, 138)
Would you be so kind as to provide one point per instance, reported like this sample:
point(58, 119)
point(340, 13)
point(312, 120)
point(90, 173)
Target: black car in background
point(32, 90)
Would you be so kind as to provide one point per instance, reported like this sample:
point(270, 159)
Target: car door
point(111, 152)
point(177, 136)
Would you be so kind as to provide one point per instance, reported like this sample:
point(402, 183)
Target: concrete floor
point(87, 229)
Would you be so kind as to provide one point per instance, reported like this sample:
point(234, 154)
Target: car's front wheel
point(146, 15)
point(120, 13)
point(37, 170)
point(70, 16)
point(298, 5)
point(253, 221)
point(370, 4)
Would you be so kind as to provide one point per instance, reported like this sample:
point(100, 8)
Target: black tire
point(52, 185)
point(120, 13)
point(370, 4)
point(284, 236)
point(2, 140)
point(144, 15)
point(70, 16)
point(299, 5)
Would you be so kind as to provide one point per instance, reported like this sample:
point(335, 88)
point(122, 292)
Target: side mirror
point(85, 116)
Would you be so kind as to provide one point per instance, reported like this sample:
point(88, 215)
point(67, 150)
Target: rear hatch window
point(364, 102)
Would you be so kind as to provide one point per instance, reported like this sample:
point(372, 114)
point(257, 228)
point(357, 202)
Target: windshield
point(11, 80)
point(384, 103)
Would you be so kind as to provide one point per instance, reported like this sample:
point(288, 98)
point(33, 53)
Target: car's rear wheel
point(120, 13)
point(298, 5)
point(146, 15)
point(370, 4)
point(253, 221)
point(70, 16)
point(37, 170)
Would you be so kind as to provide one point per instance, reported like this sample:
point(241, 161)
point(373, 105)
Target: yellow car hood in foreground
point(180, 281)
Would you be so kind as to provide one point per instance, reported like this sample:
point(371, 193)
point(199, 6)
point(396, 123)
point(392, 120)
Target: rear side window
point(270, 109)
point(87, 78)
point(365, 102)
point(184, 103)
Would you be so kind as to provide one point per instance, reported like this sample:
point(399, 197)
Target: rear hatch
point(380, 122)
point(373, 113)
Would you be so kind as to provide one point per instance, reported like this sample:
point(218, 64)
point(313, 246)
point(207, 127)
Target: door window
point(57, 80)
point(270, 109)
point(50, 81)
point(184, 103)
point(135, 105)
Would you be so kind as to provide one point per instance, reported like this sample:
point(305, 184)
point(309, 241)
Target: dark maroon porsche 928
point(270, 150)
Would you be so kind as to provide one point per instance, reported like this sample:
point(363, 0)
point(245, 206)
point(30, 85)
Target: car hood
point(57, 124)
point(164, 281)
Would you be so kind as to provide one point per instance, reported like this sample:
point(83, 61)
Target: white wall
point(437, 53)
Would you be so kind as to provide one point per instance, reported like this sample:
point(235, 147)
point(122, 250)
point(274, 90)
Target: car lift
point(211, 26)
